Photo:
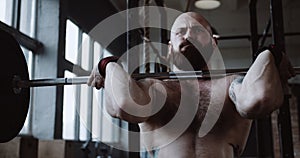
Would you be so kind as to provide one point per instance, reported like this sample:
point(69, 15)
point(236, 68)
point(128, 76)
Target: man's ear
point(215, 40)
point(170, 47)
point(170, 50)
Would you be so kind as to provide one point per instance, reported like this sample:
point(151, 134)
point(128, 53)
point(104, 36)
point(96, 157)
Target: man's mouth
point(185, 47)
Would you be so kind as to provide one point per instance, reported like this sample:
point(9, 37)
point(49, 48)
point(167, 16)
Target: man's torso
point(222, 134)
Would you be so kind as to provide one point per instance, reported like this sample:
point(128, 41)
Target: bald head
point(195, 17)
point(191, 38)
point(201, 20)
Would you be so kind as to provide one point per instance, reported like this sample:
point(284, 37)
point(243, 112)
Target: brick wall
point(295, 128)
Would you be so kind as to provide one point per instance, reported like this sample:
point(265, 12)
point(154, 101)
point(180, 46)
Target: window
point(6, 11)
point(83, 115)
point(27, 26)
point(27, 17)
point(21, 16)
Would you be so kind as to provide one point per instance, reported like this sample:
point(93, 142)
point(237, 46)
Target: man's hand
point(96, 80)
point(98, 74)
point(286, 71)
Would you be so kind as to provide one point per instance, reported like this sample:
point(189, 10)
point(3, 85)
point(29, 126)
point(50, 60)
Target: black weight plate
point(13, 107)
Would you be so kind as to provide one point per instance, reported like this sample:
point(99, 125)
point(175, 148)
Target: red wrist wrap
point(275, 51)
point(103, 63)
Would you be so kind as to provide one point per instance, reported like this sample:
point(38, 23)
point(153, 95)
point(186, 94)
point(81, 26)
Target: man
point(254, 95)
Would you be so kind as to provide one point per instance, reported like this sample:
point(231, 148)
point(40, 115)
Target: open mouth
point(185, 47)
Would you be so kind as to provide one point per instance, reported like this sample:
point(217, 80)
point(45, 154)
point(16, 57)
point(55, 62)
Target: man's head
point(191, 37)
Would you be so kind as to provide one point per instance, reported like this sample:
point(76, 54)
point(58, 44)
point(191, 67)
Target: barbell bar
point(19, 84)
point(15, 84)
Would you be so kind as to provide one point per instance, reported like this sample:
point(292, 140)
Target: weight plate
point(13, 107)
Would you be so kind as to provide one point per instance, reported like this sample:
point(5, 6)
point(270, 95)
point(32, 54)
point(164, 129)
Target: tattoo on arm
point(233, 84)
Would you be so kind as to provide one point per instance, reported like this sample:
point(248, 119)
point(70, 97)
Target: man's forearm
point(127, 98)
point(260, 92)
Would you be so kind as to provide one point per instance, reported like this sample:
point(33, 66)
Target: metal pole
point(50, 82)
point(248, 37)
point(265, 34)
point(163, 32)
point(18, 83)
point(284, 119)
point(263, 127)
point(253, 26)
point(132, 60)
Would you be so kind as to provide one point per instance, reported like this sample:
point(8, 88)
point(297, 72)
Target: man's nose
point(189, 34)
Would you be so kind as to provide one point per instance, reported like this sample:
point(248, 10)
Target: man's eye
point(180, 32)
point(198, 29)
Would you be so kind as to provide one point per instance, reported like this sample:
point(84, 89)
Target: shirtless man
point(254, 95)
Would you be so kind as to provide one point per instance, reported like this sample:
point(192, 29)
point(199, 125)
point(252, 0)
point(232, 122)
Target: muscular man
point(241, 98)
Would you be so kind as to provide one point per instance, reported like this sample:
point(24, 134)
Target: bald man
point(155, 103)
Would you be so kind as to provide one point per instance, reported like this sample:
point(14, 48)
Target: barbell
point(15, 84)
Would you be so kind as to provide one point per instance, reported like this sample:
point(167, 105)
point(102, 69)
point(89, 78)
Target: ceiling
point(232, 16)
point(230, 19)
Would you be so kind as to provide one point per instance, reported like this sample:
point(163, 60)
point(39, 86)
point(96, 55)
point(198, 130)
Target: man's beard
point(191, 57)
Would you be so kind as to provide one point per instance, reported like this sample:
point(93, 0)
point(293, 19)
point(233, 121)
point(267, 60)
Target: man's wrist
point(277, 54)
point(103, 63)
